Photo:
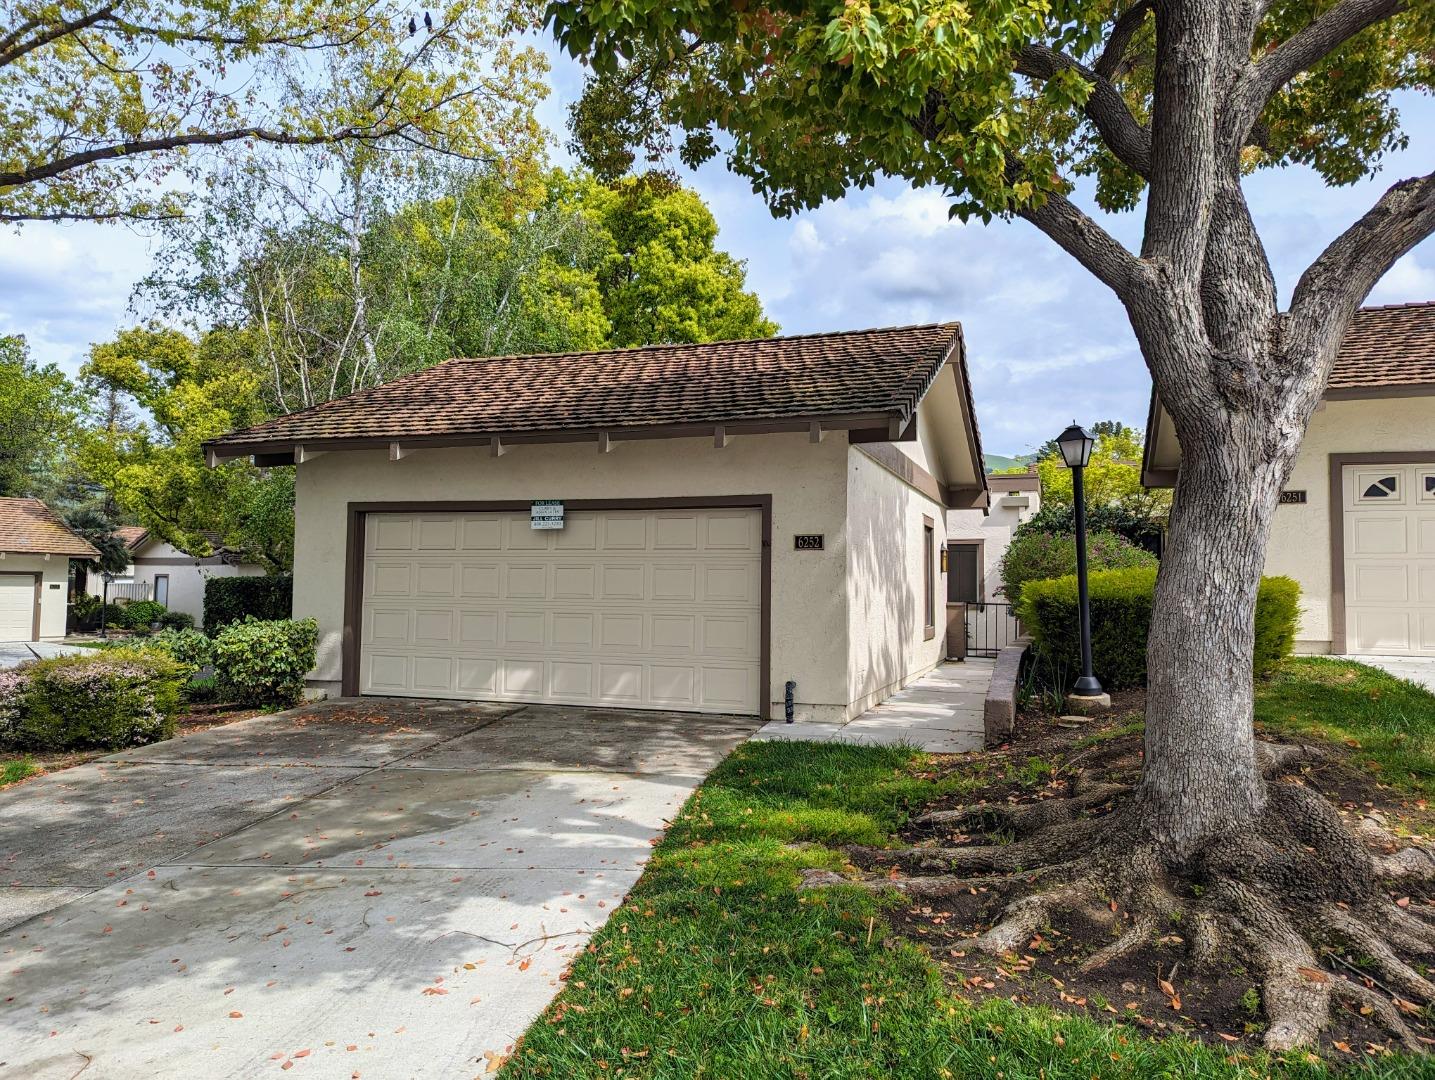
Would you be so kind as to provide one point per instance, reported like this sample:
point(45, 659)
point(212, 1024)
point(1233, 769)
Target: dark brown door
point(964, 573)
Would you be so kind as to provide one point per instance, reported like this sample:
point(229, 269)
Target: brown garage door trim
point(1338, 462)
point(39, 592)
point(354, 561)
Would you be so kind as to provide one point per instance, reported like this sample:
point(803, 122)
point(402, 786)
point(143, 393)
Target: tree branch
point(1088, 243)
point(1108, 66)
point(1105, 107)
point(1299, 53)
point(17, 48)
point(1340, 279)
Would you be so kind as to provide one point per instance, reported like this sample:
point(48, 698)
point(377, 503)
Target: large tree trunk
point(1201, 777)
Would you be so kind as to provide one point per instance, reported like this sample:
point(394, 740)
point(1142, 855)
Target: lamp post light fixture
point(1076, 444)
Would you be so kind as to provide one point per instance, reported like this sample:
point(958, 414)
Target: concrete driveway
point(15, 653)
point(362, 887)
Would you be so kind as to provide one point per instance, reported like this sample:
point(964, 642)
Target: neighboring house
point(160, 571)
point(35, 552)
point(1356, 524)
point(977, 539)
point(736, 517)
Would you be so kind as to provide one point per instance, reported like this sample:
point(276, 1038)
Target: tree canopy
point(107, 104)
point(1112, 477)
point(38, 410)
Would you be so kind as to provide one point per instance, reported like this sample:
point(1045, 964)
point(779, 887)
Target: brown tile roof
point(1387, 346)
point(29, 527)
point(131, 534)
point(861, 372)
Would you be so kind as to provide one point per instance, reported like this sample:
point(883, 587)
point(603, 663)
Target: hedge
point(1121, 623)
point(106, 700)
point(230, 599)
point(141, 614)
point(264, 663)
point(1036, 555)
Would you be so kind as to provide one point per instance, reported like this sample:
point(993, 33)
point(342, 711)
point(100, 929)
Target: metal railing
point(984, 628)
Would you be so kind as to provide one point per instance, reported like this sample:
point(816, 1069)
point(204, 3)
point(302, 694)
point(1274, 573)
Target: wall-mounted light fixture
point(944, 558)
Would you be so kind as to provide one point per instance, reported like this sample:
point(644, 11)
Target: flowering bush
point(13, 684)
point(106, 700)
point(264, 663)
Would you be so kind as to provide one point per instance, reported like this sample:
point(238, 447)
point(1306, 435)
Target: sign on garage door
point(641, 609)
point(1389, 524)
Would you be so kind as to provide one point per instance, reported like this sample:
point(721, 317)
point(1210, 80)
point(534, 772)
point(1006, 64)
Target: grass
point(16, 769)
point(715, 966)
point(1388, 723)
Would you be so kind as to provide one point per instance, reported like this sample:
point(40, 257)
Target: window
point(929, 591)
point(1427, 487)
point(1383, 488)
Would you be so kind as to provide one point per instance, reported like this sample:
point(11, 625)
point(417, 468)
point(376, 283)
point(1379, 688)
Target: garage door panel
point(1389, 528)
point(634, 609)
point(17, 607)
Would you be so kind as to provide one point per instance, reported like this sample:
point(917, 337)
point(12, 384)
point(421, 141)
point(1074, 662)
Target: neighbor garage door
point(1390, 559)
point(17, 607)
point(643, 609)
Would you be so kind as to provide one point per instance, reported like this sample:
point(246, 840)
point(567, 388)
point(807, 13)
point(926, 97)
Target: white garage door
point(1390, 559)
point(641, 609)
point(17, 607)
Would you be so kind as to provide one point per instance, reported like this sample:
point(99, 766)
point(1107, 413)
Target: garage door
point(1390, 559)
point(17, 607)
point(641, 609)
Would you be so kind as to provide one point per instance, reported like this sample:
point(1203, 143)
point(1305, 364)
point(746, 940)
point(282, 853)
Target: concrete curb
point(999, 710)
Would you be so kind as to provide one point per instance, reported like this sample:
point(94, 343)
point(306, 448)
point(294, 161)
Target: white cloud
point(1407, 280)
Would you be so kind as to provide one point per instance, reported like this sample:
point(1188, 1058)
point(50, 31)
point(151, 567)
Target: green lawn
point(1387, 724)
point(716, 967)
point(15, 770)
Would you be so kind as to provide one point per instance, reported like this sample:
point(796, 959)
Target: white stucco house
point(160, 571)
point(685, 527)
point(1356, 524)
point(35, 552)
point(977, 539)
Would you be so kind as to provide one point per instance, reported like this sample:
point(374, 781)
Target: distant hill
point(998, 461)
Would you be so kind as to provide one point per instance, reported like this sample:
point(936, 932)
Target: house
point(1356, 522)
point(706, 528)
point(35, 552)
point(160, 571)
point(977, 539)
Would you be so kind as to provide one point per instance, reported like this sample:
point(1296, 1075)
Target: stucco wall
point(807, 481)
point(1300, 536)
point(994, 529)
point(187, 576)
point(887, 645)
point(54, 588)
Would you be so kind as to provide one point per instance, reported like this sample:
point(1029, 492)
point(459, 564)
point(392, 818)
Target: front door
point(161, 589)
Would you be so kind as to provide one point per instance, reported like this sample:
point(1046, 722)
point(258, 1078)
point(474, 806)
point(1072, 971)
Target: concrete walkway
point(1418, 669)
point(15, 653)
point(377, 888)
point(941, 713)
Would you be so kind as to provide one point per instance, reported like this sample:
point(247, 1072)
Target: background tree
point(108, 102)
point(1112, 478)
point(1171, 101)
point(663, 279)
point(38, 410)
point(188, 391)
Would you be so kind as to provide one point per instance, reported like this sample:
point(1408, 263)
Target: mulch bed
point(1152, 990)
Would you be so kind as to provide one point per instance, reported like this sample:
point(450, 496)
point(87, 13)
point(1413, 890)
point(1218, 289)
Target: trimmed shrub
point(190, 649)
point(176, 620)
point(230, 599)
point(83, 612)
point(107, 700)
point(264, 662)
point(1039, 555)
point(1121, 622)
point(139, 614)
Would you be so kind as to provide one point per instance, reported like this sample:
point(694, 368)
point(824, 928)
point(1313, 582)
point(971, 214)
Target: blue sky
point(1045, 341)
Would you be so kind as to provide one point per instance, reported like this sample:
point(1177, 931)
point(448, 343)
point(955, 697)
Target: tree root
point(1295, 885)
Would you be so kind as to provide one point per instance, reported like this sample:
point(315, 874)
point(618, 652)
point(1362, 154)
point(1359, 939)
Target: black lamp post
point(1076, 443)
